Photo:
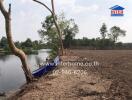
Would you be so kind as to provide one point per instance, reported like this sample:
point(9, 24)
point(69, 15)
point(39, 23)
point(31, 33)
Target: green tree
point(103, 31)
point(27, 43)
point(70, 30)
point(52, 11)
point(116, 32)
point(18, 44)
point(49, 32)
point(35, 45)
point(3, 42)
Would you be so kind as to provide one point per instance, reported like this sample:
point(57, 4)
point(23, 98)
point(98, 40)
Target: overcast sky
point(88, 14)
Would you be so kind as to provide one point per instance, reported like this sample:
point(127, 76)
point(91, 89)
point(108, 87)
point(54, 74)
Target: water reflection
point(4, 58)
point(0, 71)
point(38, 60)
point(11, 73)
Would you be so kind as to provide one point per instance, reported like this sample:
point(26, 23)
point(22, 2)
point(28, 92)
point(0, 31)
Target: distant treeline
point(27, 46)
point(108, 40)
point(97, 43)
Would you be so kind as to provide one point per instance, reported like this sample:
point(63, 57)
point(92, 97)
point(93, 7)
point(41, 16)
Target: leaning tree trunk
point(57, 26)
point(14, 49)
point(55, 22)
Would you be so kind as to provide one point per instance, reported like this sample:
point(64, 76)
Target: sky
point(88, 15)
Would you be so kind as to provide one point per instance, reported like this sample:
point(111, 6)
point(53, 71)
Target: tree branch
point(44, 5)
point(55, 22)
point(9, 10)
point(3, 10)
point(57, 26)
point(53, 8)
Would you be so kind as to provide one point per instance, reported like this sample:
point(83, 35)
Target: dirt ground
point(111, 79)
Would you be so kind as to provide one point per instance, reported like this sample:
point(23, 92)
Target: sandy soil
point(110, 80)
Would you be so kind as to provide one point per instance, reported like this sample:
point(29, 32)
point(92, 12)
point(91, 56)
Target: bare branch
point(43, 5)
point(3, 10)
point(9, 11)
point(53, 8)
point(57, 26)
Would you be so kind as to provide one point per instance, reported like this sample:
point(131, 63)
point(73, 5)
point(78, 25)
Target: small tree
point(48, 32)
point(115, 33)
point(55, 21)
point(70, 31)
point(14, 49)
point(103, 31)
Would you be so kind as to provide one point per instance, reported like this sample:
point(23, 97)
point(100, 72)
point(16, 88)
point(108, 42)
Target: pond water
point(11, 73)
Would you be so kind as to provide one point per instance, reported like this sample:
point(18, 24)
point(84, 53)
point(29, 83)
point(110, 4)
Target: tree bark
point(57, 26)
point(55, 22)
point(14, 49)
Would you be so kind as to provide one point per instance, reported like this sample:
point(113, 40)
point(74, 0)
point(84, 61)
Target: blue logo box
point(117, 10)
